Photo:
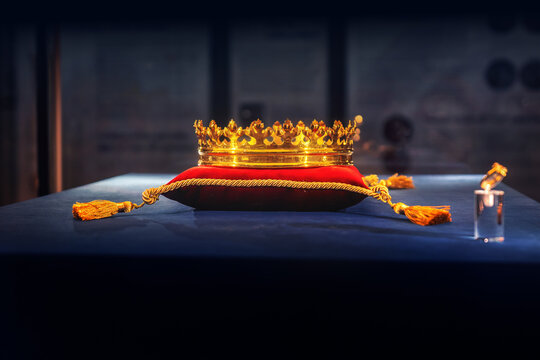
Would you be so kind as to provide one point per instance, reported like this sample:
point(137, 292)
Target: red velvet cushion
point(268, 198)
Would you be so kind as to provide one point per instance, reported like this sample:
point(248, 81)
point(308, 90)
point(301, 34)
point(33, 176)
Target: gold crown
point(277, 146)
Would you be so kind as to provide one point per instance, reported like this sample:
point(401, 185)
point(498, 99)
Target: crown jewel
point(276, 146)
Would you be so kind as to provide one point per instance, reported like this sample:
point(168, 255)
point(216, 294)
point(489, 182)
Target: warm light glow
point(493, 177)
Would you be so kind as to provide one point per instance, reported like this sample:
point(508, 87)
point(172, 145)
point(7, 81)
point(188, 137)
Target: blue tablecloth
point(369, 231)
point(136, 282)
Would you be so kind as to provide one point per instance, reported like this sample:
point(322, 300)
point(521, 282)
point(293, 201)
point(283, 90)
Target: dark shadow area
point(133, 307)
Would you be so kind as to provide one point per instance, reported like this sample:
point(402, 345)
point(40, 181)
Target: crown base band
point(275, 160)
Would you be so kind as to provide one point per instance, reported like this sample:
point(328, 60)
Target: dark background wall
point(440, 92)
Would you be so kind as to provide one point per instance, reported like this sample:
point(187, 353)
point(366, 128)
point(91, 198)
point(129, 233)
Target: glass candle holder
point(489, 215)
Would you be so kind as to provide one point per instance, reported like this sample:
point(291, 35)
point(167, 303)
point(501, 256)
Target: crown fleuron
point(281, 145)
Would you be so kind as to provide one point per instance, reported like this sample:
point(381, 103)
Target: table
point(174, 270)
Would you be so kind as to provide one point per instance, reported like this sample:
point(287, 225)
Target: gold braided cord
point(379, 191)
point(421, 215)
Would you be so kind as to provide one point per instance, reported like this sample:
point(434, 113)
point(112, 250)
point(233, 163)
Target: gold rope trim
point(151, 195)
point(421, 215)
point(378, 191)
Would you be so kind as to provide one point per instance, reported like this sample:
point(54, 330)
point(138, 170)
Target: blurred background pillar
point(48, 110)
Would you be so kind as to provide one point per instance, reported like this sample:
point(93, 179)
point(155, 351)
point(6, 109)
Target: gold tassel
point(424, 215)
point(99, 209)
point(393, 182)
point(371, 180)
point(400, 182)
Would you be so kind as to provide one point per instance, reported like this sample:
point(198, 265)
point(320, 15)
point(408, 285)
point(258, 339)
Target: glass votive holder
point(489, 215)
